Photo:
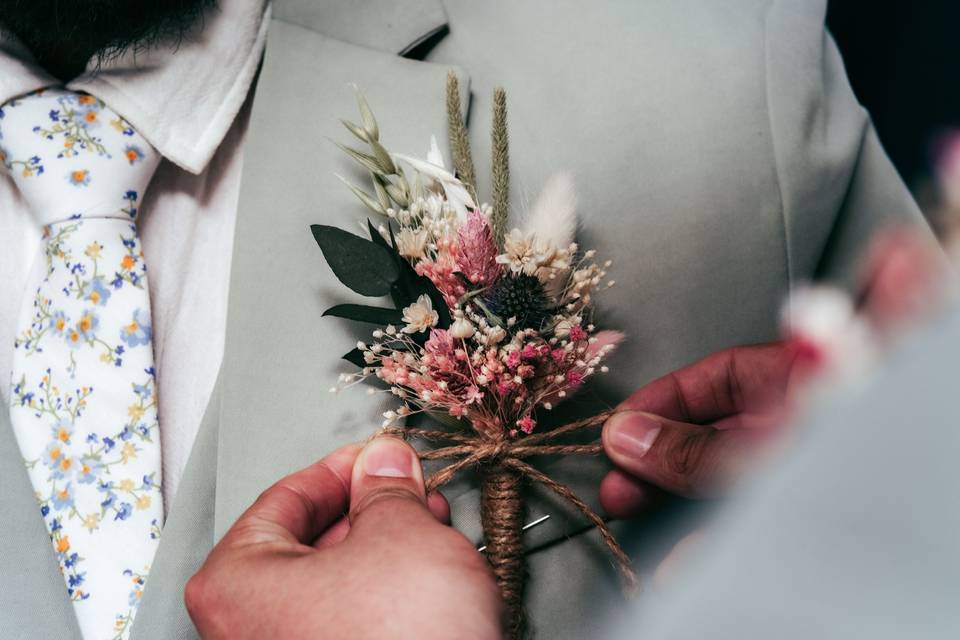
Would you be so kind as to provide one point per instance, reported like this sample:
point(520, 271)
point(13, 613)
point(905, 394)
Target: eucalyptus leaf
point(363, 265)
point(363, 313)
point(378, 238)
point(355, 356)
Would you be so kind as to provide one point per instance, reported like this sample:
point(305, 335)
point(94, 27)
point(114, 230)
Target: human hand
point(291, 567)
point(689, 432)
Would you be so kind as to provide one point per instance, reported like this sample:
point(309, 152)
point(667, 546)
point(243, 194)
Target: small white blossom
point(462, 329)
point(412, 244)
point(420, 316)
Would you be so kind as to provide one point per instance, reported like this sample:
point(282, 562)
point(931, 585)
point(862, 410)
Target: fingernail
point(632, 433)
point(388, 458)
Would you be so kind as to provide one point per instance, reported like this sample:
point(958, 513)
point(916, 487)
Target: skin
point(292, 567)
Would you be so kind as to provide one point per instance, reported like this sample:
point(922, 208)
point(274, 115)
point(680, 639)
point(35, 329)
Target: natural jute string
point(502, 468)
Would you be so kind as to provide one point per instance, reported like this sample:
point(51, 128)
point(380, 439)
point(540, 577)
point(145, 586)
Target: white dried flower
point(496, 334)
point(519, 253)
point(412, 244)
point(825, 319)
point(563, 327)
point(462, 329)
point(420, 316)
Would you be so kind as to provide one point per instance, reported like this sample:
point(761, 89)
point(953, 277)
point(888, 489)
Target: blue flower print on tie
point(94, 462)
point(99, 292)
point(88, 324)
point(79, 178)
point(62, 498)
point(89, 469)
point(131, 208)
point(92, 454)
point(75, 121)
point(62, 431)
point(133, 153)
point(28, 168)
point(138, 331)
point(58, 323)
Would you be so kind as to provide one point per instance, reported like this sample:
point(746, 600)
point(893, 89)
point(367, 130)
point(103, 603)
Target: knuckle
point(197, 595)
point(385, 500)
point(688, 458)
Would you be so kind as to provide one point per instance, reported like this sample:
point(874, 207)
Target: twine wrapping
point(502, 470)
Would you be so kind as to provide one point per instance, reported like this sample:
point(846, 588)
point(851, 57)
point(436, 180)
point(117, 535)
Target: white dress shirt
point(188, 102)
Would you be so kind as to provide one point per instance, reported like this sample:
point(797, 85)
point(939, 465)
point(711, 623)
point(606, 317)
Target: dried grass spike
point(501, 165)
point(457, 132)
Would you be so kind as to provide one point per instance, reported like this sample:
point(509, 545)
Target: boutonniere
point(489, 328)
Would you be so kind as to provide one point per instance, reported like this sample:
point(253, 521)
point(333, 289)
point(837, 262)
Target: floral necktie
point(83, 401)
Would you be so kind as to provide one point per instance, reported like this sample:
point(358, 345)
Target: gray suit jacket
point(852, 534)
point(720, 157)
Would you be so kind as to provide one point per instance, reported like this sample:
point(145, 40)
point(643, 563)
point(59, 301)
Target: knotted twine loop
point(503, 467)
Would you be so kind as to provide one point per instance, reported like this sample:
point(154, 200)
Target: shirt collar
point(183, 100)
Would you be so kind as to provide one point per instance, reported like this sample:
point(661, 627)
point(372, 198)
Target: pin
point(525, 527)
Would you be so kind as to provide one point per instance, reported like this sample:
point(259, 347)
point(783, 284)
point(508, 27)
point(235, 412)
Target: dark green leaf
point(363, 313)
point(363, 265)
point(377, 237)
point(355, 356)
point(409, 284)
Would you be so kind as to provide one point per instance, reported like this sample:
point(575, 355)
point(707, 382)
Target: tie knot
point(71, 156)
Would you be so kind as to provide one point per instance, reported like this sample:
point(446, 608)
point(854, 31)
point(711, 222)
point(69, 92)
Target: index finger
point(299, 507)
point(721, 385)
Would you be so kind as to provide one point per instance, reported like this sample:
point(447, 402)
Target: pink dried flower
point(527, 424)
point(577, 334)
point(525, 371)
point(440, 342)
point(442, 270)
point(477, 257)
point(473, 394)
point(574, 379)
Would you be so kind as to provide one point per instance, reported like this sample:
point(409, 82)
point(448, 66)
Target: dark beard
point(64, 34)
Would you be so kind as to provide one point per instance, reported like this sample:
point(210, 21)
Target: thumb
point(387, 488)
point(685, 459)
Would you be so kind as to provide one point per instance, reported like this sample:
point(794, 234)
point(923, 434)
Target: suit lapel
point(187, 539)
point(281, 357)
point(392, 26)
point(33, 600)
